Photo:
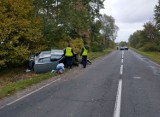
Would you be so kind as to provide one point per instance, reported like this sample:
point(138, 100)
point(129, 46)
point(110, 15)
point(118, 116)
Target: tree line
point(30, 26)
point(148, 39)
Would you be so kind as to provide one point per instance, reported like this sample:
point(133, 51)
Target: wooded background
point(30, 26)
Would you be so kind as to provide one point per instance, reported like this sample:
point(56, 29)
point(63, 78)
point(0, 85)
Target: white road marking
point(136, 77)
point(29, 94)
point(121, 70)
point(117, 108)
point(122, 54)
point(122, 61)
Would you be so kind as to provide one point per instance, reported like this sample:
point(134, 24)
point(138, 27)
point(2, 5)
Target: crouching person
point(60, 68)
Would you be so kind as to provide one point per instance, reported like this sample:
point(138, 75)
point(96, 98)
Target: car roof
point(57, 52)
point(44, 54)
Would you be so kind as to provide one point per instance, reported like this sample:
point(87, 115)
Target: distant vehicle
point(47, 61)
point(124, 48)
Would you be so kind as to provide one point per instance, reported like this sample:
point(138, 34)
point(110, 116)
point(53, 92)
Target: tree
point(63, 19)
point(150, 33)
point(151, 38)
point(109, 28)
point(135, 40)
point(97, 39)
point(157, 15)
point(19, 31)
point(146, 39)
point(123, 43)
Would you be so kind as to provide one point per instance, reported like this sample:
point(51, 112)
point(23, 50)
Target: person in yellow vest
point(84, 53)
point(69, 53)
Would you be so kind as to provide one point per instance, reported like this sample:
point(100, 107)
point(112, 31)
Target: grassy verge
point(14, 80)
point(94, 55)
point(22, 84)
point(154, 56)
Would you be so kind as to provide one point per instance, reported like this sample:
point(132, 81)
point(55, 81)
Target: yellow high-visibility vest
point(69, 52)
point(85, 52)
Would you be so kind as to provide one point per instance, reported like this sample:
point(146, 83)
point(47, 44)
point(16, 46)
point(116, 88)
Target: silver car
point(47, 60)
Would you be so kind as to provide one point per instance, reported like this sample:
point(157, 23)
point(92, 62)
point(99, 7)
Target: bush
point(111, 44)
point(76, 44)
point(97, 47)
point(150, 47)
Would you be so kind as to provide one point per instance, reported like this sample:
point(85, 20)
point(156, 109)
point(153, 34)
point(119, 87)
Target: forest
point(30, 26)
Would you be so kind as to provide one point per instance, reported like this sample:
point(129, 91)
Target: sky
point(129, 15)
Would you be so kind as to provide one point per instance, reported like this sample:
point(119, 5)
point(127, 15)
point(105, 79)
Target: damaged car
point(47, 61)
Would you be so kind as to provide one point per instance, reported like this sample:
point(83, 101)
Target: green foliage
point(109, 28)
point(97, 39)
point(151, 47)
point(157, 15)
point(112, 44)
point(77, 45)
point(155, 56)
point(93, 55)
point(94, 33)
point(146, 39)
point(123, 43)
point(19, 31)
point(150, 33)
point(30, 26)
point(67, 19)
point(13, 87)
point(135, 39)
point(97, 47)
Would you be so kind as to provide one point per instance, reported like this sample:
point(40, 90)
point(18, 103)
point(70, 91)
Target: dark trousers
point(69, 62)
point(84, 61)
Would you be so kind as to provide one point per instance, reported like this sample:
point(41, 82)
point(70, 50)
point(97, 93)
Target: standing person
point(68, 53)
point(84, 53)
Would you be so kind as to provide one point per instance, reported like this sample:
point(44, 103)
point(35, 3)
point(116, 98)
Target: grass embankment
point(154, 56)
point(94, 55)
point(14, 80)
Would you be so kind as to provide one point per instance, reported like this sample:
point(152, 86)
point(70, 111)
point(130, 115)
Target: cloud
point(130, 15)
point(126, 29)
point(134, 11)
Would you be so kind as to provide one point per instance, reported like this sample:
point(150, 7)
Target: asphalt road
point(121, 84)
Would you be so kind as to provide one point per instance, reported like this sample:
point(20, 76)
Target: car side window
point(44, 60)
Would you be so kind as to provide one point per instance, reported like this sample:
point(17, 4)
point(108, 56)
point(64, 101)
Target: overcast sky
point(130, 15)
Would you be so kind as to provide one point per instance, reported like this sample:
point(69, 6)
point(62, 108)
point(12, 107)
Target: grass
point(154, 56)
point(13, 80)
point(13, 87)
point(94, 55)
